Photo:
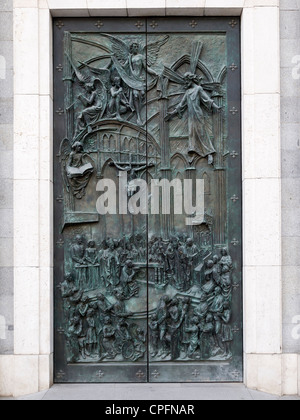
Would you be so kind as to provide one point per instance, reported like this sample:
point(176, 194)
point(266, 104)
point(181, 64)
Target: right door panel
point(195, 263)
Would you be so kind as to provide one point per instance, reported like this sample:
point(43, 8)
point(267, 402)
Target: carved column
point(69, 109)
point(220, 172)
point(167, 221)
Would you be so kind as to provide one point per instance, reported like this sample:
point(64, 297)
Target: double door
point(147, 164)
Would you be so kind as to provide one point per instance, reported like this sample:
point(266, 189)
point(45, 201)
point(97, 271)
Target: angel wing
point(152, 50)
point(64, 153)
point(102, 94)
point(211, 86)
point(80, 76)
point(102, 74)
point(120, 49)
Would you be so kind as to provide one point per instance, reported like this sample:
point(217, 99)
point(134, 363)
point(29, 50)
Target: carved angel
point(94, 99)
point(131, 63)
point(77, 167)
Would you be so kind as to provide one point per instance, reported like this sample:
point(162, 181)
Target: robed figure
point(194, 99)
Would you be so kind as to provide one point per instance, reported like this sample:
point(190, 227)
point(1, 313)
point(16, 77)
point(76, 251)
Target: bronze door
point(148, 200)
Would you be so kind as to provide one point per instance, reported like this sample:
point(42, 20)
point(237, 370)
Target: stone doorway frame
point(30, 369)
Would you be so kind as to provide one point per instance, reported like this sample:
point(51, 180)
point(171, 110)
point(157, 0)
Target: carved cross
point(140, 374)
point(193, 24)
point(60, 375)
point(235, 286)
point(236, 374)
point(235, 329)
point(154, 24)
point(235, 242)
point(60, 330)
point(233, 23)
point(60, 111)
point(60, 24)
point(100, 374)
point(60, 199)
point(196, 373)
point(234, 154)
point(60, 243)
point(59, 68)
point(99, 24)
point(234, 111)
point(233, 67)
point(139, 25)
point(235, 198)
point(155, 374)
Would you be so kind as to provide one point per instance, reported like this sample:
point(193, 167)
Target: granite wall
point(290, 140)
point(6, 177)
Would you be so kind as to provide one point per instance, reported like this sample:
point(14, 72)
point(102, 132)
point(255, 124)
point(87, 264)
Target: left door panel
point(100, 311)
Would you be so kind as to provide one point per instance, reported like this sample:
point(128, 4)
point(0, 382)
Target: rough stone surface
point(6, 177)
point(290, 140)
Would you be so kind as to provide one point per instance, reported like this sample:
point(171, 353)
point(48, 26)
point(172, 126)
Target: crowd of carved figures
point(183, 329)
point(98, 329)
point(174, 261)
point(193, 323)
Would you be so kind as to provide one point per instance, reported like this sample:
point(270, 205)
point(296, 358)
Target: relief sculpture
point(146, 107)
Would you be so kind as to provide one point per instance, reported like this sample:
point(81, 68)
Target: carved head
point(134, 48)
point(117, 81)
point(79, 239)
point(224, 252)
point(129, 264)
point(154, 317)
point(89, 87)
point(91, 244)
point(215, 259)
point(190, 242)
point(77, 147)
point(195, 320)
point(210, 264)
point(69, 278)
point(107, 320)
point(165, 299)
point(218, 291)
point(190, 78)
